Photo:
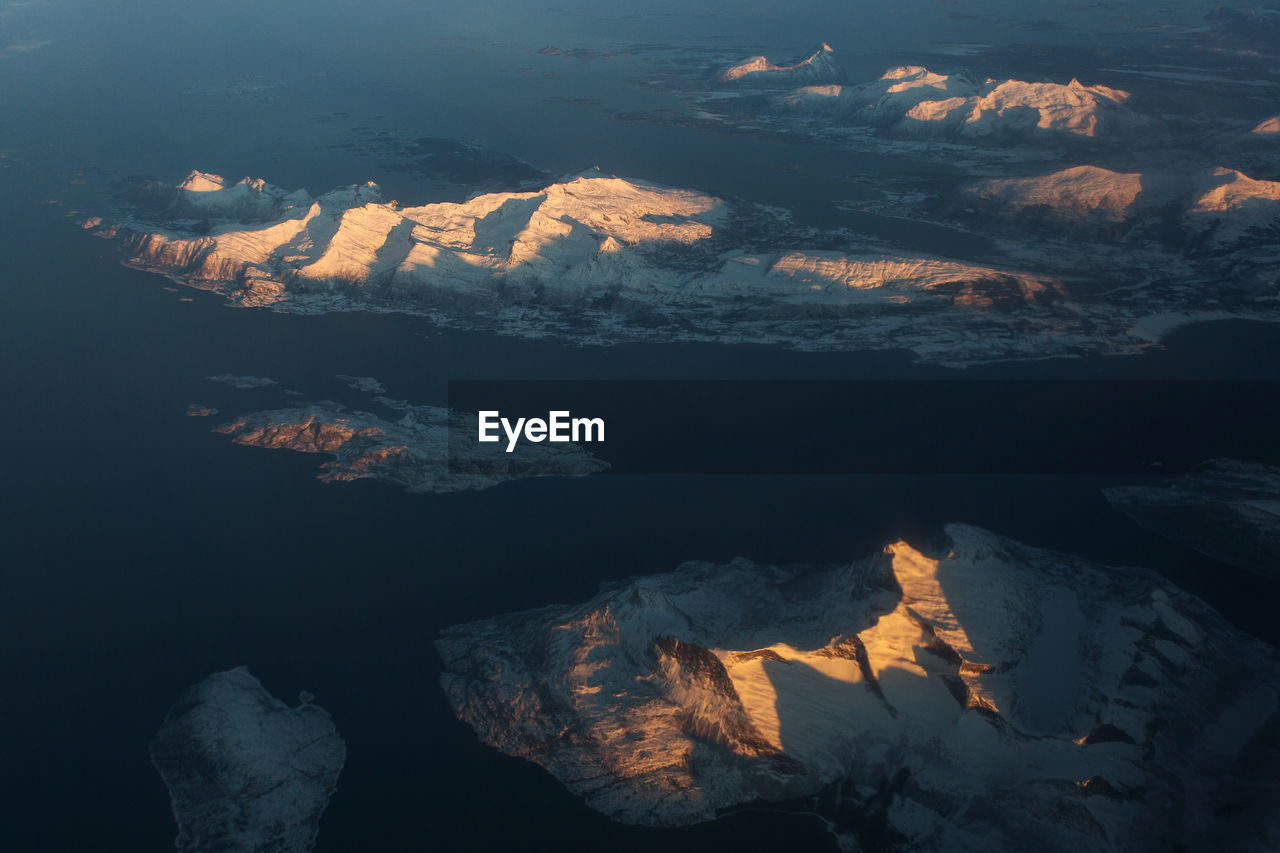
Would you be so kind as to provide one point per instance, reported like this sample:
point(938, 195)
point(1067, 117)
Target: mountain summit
point(820, 67)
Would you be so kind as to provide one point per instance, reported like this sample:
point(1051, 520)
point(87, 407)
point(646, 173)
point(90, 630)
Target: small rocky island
point(245, 772)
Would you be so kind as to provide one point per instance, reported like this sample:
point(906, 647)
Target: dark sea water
point(139, 552)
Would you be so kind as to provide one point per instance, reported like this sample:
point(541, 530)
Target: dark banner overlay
point(878, 427)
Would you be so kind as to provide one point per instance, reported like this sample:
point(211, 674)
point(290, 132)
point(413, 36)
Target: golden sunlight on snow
point(899, 279)
point(918, 657)
point(1234, 190)
point(1268, 127)
point(1073, 108)
point(1081, 190)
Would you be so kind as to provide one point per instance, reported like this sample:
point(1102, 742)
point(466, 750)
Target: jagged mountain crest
point(821, 66)
point(602, 258)
point(914, 100)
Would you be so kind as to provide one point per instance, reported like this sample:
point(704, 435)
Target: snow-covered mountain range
point(600, 258)
point(982, 695)
point(913, 100)
point(1222, 202)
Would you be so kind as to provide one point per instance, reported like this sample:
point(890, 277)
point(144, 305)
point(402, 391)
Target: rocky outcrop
point(414, 452)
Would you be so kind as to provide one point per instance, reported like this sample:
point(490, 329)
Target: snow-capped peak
point(202, 182)
point(1268, 126)
point(819, 67)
